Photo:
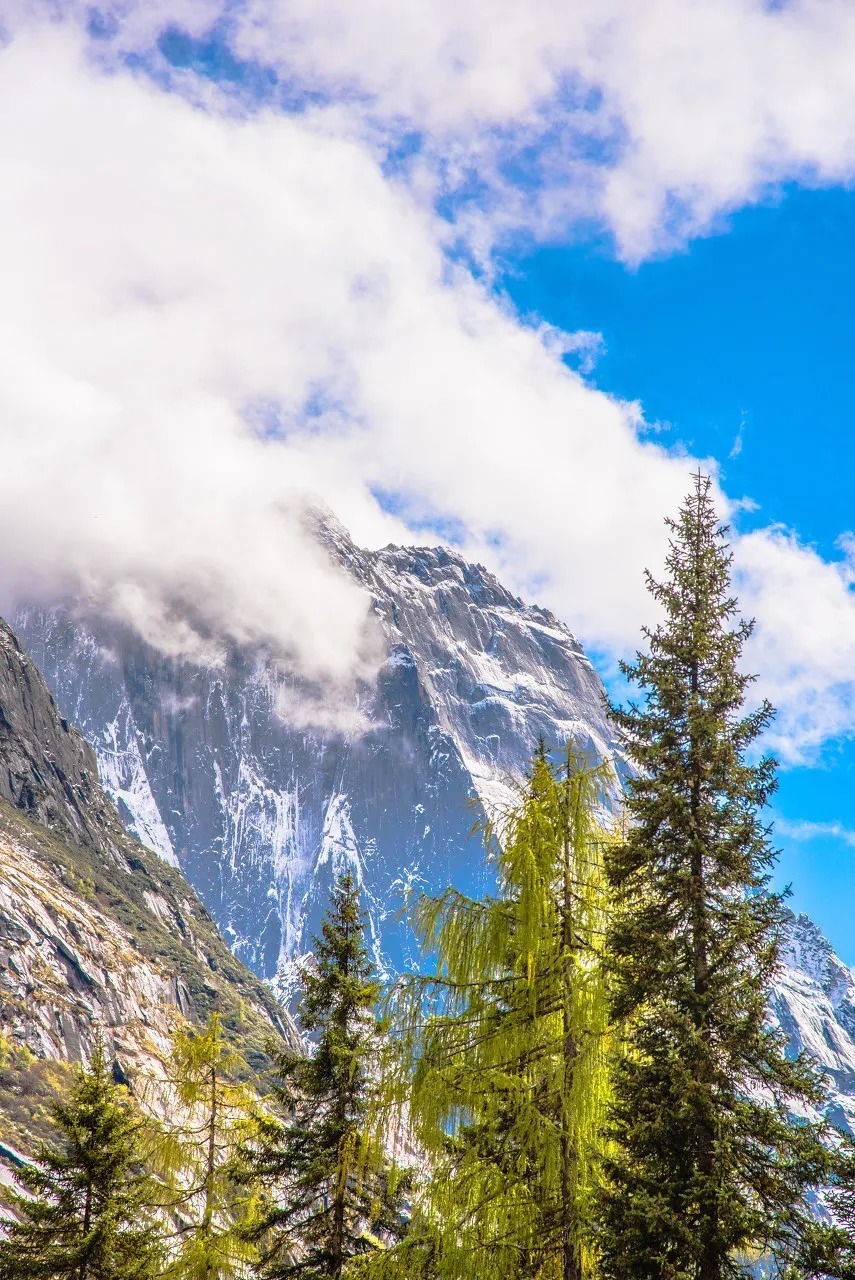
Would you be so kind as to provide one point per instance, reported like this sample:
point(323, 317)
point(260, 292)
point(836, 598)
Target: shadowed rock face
point(260, 815)
point(47, 769)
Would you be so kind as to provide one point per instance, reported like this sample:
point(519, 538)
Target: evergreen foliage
point(504, 1047)
point(829, 1250)
point(707, 1168)
point(333, 1197)
point(84, 1209)
point(197, 1152)
point(826, 1246)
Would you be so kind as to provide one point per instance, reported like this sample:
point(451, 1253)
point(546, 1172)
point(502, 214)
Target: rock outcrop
point(47, 769)
point(813, 1002)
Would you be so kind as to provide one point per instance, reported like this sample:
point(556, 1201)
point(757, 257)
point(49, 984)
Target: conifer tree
point(333, 1196)
point(707, 1168)
point(505, 1045)
point(84, 1209)
point(197, 1151)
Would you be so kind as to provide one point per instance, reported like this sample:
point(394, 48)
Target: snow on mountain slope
point(814, 1004)
point(260, 816)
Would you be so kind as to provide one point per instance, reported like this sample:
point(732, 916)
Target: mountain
point(98, 936)
point(259, 814)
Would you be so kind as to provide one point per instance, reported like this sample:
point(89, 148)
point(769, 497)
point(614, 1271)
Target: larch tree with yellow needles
point(214, 1114)
point(505, 1045)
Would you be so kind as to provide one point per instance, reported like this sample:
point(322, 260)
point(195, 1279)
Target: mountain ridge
point(260, 815)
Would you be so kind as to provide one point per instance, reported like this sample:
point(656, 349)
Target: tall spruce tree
point(707, 1168)
point(84, 1209)
point(333, 1196)
point(504, 1063)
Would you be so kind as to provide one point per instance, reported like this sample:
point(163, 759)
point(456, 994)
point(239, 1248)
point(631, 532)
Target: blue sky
point(257, 255)
point(741, 346)
point(745, 335)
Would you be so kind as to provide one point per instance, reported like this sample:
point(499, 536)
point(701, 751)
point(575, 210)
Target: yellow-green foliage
point(211, 1114)
point(28, 1088)
point(504, 1048)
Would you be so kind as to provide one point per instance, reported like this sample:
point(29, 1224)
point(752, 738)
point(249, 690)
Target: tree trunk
point(210, 1172)
point(569, 1227)
point(87, 1223)
point(709, 1260)
point(337, 1241)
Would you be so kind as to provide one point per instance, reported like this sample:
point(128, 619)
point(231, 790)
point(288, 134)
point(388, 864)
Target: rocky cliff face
point(814, 1004)
point(47, 769)
point(259, 816)
point(98, 936)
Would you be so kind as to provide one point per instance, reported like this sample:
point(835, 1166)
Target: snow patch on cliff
point(124, 778)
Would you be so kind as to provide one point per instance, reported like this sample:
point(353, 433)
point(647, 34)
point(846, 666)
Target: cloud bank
point(217, 312)
point(205, 319)
point(654, 117)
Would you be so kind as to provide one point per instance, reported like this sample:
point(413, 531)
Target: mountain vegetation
point(196, 1149)
point(705, 1163)
point(503, 1063)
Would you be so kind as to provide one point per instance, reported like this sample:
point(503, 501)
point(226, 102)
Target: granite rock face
point(813, 1002)
point(47, 769)
point(259, 815)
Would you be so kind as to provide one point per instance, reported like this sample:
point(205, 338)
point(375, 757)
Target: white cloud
point(150, 261)
point(697, 107)
point(656, 117)
point(206, 318)
point(804, 644)
point(173, 278)
point(805, 831)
